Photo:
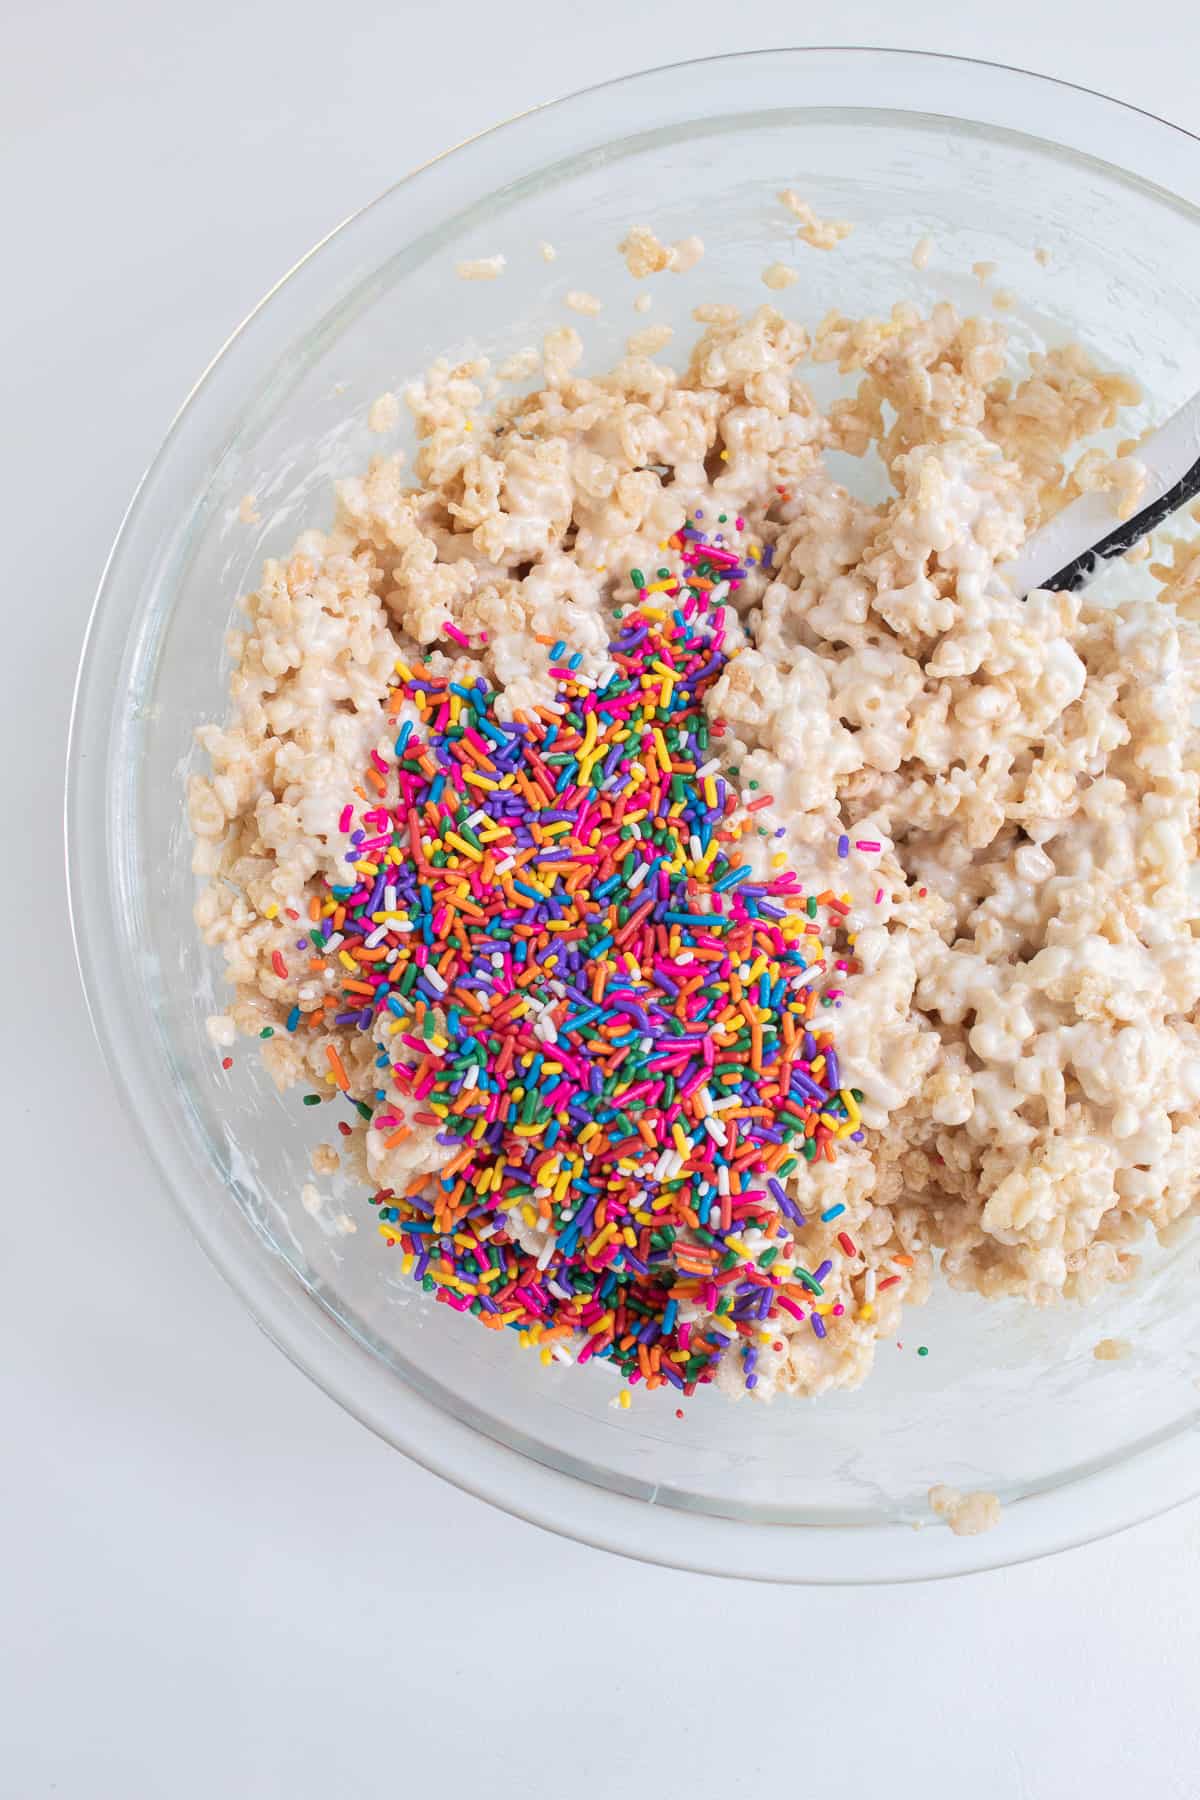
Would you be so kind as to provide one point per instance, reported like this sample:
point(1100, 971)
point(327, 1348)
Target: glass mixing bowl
point(991, 164)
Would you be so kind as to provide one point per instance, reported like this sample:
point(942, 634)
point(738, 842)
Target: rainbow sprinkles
point(621, 1034)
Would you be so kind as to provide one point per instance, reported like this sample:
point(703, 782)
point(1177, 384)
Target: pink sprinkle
point(460, 637)
point(790, 1306)
point(878, 895)
point(345, 820)
point(866, 844)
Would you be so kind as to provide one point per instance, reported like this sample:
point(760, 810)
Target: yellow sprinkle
point(271, 912)
point(545, 1356)
point(459, 843)
point(348, 961)
point(479, 780)
point(625, 1398)
point(866, 1310)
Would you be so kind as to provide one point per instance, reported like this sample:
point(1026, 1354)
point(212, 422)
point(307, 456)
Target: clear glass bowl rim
point(121, 623)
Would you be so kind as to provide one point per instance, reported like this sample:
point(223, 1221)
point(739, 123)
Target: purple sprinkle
point(818, 1324)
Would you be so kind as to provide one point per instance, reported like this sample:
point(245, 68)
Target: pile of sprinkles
point(621, 1035)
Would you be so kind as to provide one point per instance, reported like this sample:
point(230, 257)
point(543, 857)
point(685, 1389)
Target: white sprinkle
point(389, 897)
point(434, 979)
point(471, 1076)
point(809, 976)
point(869, 1284)
point(221, 1030)
point(708, 768)
point(716, 1131)
point(636, 879)
point(685, 957)
point(335, 942)
point(544, 1254)
point(376, 937)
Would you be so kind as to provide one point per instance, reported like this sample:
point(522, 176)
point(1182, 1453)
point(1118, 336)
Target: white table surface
point(212, 1581)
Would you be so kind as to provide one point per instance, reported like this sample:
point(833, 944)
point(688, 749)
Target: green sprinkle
point(638, 580)
point(312, 1099)
point(922, 1349)
point(266, 1031)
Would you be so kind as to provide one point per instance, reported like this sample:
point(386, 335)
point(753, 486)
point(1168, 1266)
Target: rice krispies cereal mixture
point(998, 794)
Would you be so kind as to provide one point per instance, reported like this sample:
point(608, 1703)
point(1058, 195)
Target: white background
point(212, 1583)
